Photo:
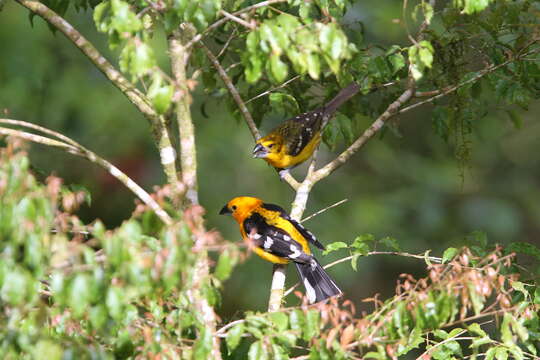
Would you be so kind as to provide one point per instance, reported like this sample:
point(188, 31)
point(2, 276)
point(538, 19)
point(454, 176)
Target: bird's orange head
point(241, 207)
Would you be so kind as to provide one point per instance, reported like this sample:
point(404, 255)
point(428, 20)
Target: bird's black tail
point(345, 94)
point(319, 286)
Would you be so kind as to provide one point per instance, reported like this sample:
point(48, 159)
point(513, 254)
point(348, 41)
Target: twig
point(273, 89)
point(223, 20)
point(451, 89)
point(221, 331)
point(347, 258)
point(238, 20)
point(234, 92)
point(323, 210)
point(441, 343)
point(226, 45)
point(77, 149)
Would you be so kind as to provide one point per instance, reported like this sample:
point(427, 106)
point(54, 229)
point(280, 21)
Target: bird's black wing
point(302, 230)
point(274, 240)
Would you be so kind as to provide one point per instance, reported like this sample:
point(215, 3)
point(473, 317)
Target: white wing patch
point(286, 238)
point(296, 252)
point(268, 242)
point(257, 236)
point(310, 292)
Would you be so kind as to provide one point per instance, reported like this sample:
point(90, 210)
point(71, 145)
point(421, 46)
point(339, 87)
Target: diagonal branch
point(137, 98)
point(75, 148)
point(448, 90)
point(377, 125)
point(242, 106)
point(223, 20)
point(234, 92)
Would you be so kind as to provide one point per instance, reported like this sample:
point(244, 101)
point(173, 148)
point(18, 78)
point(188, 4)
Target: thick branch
point(77, 149)
point(188, 154)
point(377, 125)
point(136, 97)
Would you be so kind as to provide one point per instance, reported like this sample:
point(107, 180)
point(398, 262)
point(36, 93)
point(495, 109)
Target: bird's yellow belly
point(284, 161)
point(269, 257)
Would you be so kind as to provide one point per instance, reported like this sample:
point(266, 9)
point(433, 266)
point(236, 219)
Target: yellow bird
point(277, 238)
point(295, 140)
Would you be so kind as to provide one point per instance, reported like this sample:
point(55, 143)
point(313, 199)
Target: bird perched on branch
point(274, 236)
point(295, 140)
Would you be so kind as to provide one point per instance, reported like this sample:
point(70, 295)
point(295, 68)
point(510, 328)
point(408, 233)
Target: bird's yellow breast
point(282, 160)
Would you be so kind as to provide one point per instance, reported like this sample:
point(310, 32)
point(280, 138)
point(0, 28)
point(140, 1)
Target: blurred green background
point(409, 186)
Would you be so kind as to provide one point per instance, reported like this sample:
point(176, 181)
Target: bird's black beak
point(225, 210)
point(259, 151)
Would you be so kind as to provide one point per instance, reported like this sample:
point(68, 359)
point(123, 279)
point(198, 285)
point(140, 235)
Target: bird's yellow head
point(268, 147)
point(240, 207)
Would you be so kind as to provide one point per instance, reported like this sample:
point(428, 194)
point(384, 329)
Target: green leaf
point(257, 352)
point(46, 349)
point(334, 247)
point(524, 248)
point(296, 319)
point(473, 6)
point(160, 94)
point(311, 325)
point(425, 53)
point(361, 246)
point(313, 65)
point(80, 294)
point(224, 266)
point(354, 261)
point(15, 287)
point(501, 353)
point(490, 354)
point(449, 254)
point(397, 61)
point(476, 329)
point(278, 68)
point(280, 320)
point(428, 11)
point(441, 334)
point(142, 60)
point(203, 345)
point(506, 333)
point(390, 243)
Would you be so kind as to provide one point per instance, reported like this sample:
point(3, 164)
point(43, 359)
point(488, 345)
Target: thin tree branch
point(221, 331)
point(234, 93)
point(323, 210)
point(348, 258)
point(77, 149)
point(440, 93)
point(238, 20)
point(242, 106)
point(273, 89)
point(223, 20)
point(137, 98)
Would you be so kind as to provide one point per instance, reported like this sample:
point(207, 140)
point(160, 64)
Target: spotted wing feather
point(301, 229)
point(274, 240)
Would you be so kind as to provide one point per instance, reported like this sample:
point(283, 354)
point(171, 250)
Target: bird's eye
point(270, 146)
point(233, 207)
